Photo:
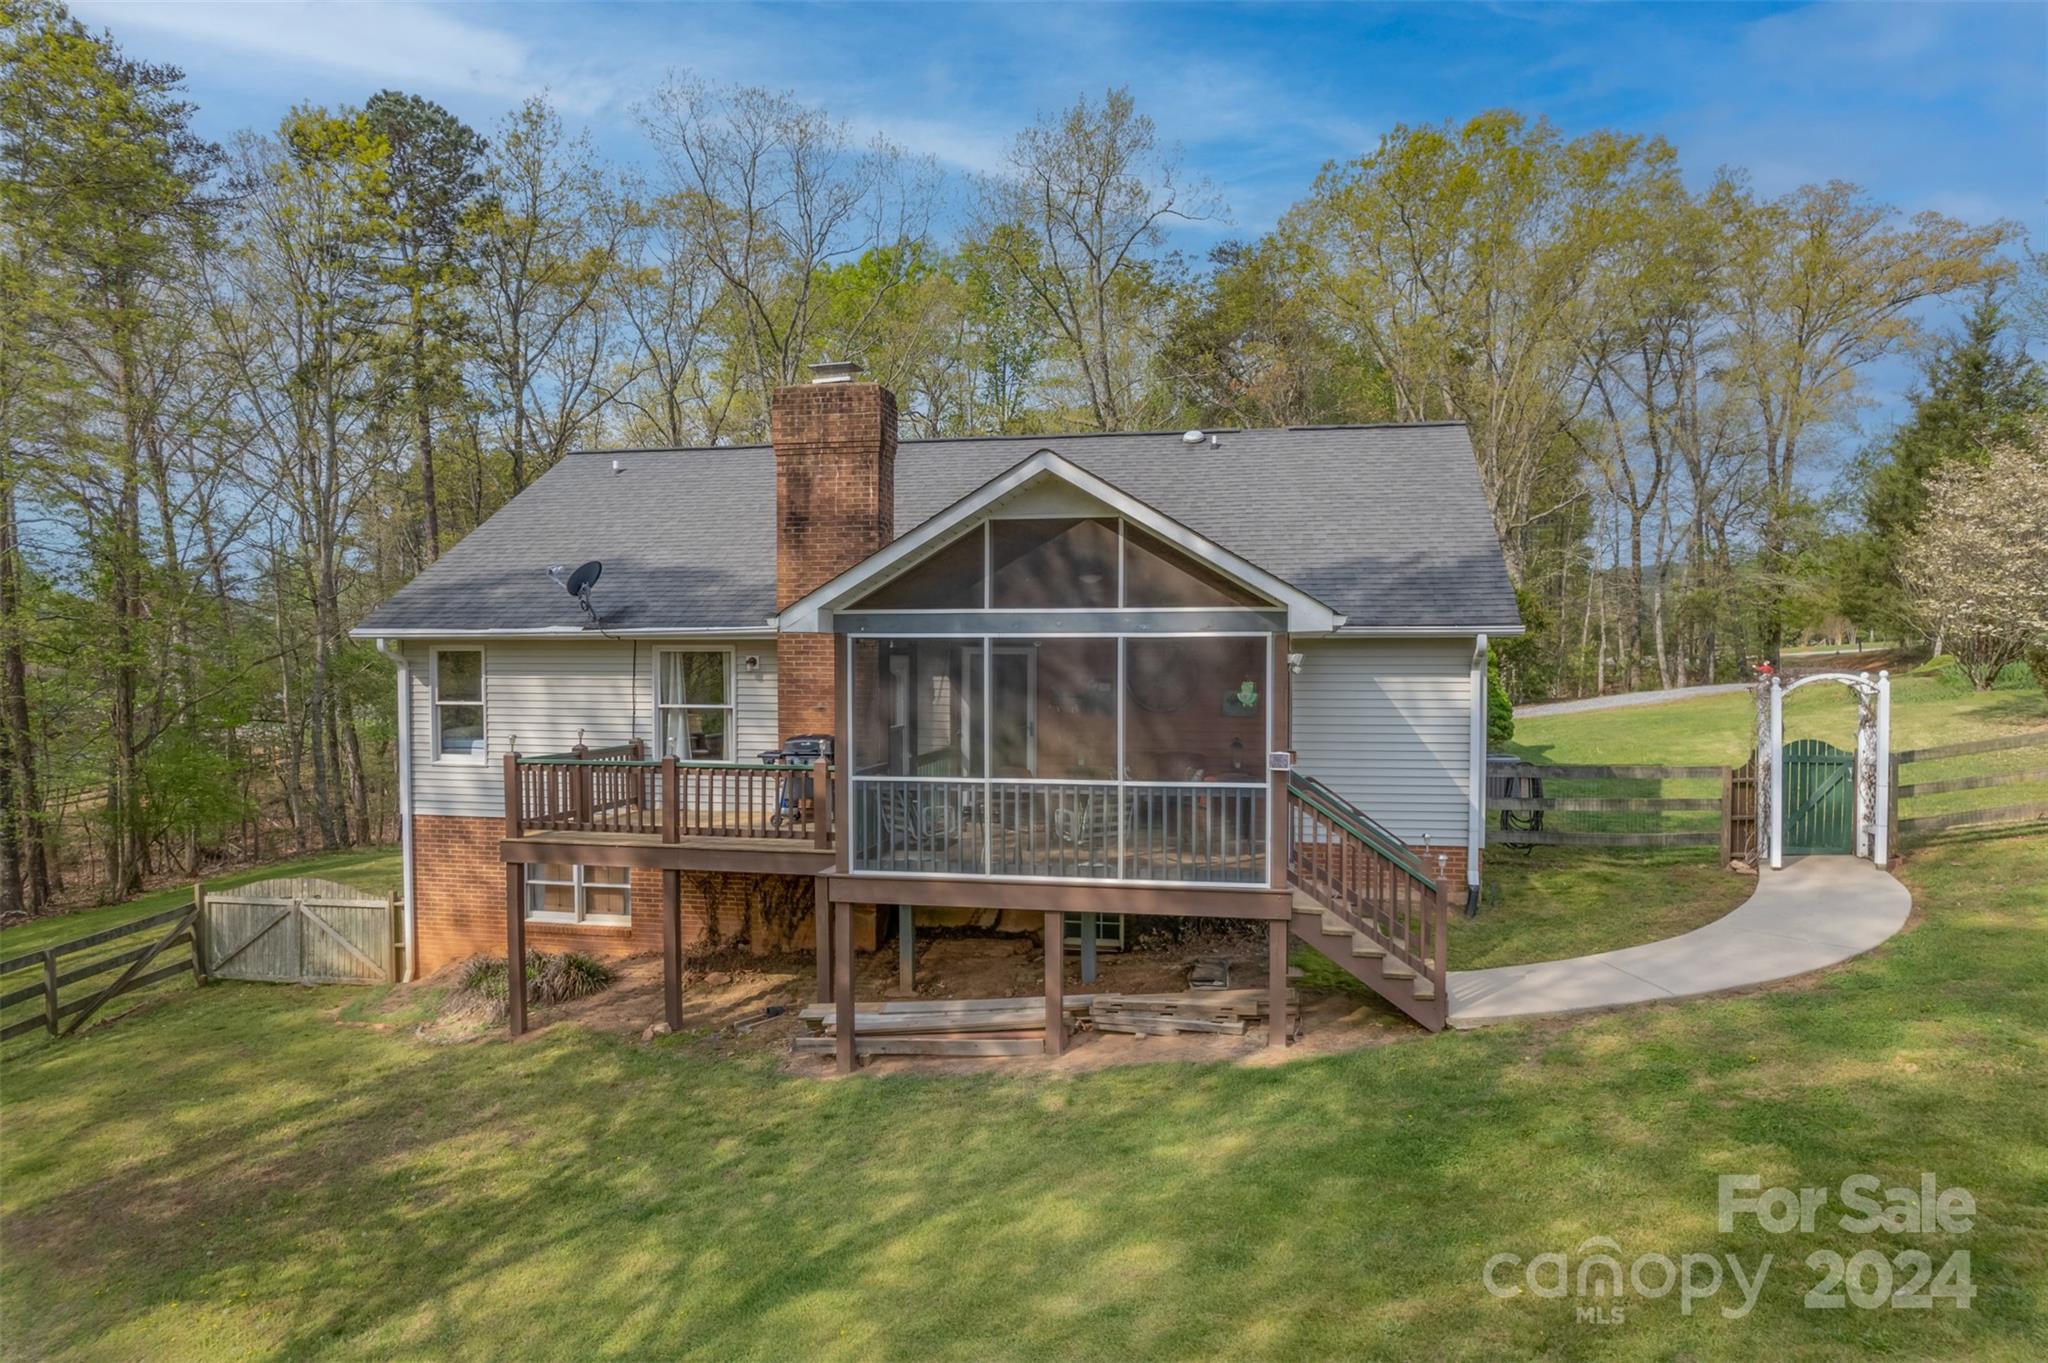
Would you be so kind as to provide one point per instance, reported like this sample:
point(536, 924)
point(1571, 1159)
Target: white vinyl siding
point(1387, 725)
point(541, 692)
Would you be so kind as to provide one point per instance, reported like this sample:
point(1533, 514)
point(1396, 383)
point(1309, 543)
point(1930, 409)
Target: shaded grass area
point(236, 1176)
point(373, 870)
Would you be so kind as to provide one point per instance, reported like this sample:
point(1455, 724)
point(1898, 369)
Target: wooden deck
point(648, 851)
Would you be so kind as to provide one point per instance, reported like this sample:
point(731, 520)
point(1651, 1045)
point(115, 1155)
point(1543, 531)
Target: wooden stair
point(1366, 903)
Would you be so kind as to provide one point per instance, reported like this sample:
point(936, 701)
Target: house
point(1237, 673)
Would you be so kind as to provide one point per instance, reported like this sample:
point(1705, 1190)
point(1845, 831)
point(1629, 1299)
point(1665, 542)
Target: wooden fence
point(1545, 804)
point(1934, 821)
point(1532, 804)
point(139, 966)
point(301, 930)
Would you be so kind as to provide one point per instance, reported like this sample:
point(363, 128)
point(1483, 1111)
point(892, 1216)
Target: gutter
point(382, 636)
point(412, 936)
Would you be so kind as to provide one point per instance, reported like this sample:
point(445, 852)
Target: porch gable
point(1046, 487)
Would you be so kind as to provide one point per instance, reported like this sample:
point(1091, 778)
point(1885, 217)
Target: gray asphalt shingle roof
point(1387, 524)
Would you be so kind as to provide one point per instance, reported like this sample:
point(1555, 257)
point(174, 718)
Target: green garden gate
point(1820, 798)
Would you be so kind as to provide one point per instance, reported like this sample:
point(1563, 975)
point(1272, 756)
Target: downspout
point(388, 649)
point(1475, 831)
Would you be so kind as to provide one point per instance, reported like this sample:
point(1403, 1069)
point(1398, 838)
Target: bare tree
point(675, 386)
point(778, 193)
point(1824, 281)
point(543, 244)
point(1094, 191)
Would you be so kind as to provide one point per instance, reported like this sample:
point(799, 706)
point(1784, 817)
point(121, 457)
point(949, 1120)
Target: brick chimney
point(835, 504)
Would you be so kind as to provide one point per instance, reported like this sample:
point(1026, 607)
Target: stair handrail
point(1359, 824)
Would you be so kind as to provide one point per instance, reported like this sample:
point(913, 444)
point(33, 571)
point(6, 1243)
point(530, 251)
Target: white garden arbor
point(1872, 762)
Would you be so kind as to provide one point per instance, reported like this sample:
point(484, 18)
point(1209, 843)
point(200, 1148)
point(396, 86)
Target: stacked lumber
point(951, 1027)
point(1222, 1012)
point(996, 1027)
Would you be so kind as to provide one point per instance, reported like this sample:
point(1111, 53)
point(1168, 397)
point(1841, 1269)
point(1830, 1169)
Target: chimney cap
point(834, 371)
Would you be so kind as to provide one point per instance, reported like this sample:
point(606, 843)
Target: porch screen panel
point(918, 707)
point(919, 730)
point(1195, 709)
point(1054, 564)
point(954, 578)
point(1052, 709)
point(1194, 759)
point(1157, 575)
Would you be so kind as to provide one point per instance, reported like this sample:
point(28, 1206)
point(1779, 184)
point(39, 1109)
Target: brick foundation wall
point(835, 504)
point(1454, 864)
point(461, 913)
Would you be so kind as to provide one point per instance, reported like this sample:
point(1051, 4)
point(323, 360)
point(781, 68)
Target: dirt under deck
point(726, 999)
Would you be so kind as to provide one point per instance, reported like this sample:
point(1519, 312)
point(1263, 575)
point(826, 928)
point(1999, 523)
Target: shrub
point(551, 977)
point(1500, 711)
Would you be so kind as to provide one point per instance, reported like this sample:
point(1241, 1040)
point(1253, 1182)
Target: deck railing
point(1354, 867)
point(1187, 831)
point(619, 790)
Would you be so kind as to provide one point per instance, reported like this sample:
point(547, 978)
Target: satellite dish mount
point(578, 585)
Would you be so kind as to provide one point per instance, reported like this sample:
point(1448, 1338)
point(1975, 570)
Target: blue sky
point(1941, 106)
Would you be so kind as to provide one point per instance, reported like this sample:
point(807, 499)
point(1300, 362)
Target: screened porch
point(1065, 698)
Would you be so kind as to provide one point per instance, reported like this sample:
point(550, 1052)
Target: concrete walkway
point(1626, 699)
point(1815, 912)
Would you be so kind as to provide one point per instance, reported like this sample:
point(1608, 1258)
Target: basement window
point(600, 896)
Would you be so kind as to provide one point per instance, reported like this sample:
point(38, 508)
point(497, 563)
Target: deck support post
point(672, 949)
point(1055, 983)
point(515, 946)
point(1088, 926)
point(822, 932)
point(906, 949)
point(1276, 983)
point(842, 984)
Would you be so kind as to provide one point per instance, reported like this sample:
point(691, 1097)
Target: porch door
point(1013, 717)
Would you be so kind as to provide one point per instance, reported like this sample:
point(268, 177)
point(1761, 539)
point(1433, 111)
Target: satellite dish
point(584, 578)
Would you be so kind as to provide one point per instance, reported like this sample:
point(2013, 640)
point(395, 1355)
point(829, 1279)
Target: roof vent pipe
point(834, 371)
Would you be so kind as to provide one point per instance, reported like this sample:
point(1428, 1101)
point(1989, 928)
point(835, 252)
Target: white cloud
point(402, 44)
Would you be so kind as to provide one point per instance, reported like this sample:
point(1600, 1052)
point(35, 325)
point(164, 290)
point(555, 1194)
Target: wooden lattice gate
point(301, 930)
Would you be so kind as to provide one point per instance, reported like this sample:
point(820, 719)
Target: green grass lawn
point(244, 1172)
point(1550, 902)
point(237, 1175)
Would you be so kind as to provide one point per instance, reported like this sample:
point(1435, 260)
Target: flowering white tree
point(1978, 567)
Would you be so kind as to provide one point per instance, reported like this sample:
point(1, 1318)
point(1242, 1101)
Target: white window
point(559, 893)
point(459, 704)
point(693, 700)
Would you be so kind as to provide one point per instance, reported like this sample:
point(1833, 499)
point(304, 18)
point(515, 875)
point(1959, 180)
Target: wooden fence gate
point(301, 930)
point(1820, 798)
